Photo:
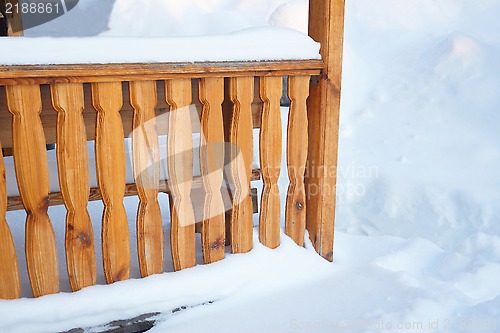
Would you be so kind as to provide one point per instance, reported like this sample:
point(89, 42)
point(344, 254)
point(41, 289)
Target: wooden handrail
point(48, 74)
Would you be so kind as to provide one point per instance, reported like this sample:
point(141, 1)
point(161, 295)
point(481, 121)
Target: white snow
point(417, 221)
point(253, 44)
point(190, 17)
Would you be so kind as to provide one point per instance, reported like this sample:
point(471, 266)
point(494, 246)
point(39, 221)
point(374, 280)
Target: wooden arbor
point(105, 102)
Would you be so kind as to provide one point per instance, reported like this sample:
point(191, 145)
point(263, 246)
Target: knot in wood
point(85, 239)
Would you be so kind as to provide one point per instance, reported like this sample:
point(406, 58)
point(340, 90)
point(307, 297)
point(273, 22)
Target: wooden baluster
point(212, 164)
point(270, 160)
point(10, 288)
point(146, 159)
point(68, 101)
point(110, 164)
point(180, 171)
point(30, 159)
point(241, 92)
point(298, 90)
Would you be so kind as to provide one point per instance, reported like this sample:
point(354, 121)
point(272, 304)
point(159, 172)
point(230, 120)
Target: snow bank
point(199, 17)
point(260, 271)
point(157, 18)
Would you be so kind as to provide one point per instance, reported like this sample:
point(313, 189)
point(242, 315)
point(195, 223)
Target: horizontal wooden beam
point(46, 74)
point(55, 198)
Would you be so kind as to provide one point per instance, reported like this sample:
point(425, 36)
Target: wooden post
point(10, 24)
point(326, 25)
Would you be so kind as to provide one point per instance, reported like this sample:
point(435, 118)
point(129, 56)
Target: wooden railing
point(229, 99)
point(72, 104)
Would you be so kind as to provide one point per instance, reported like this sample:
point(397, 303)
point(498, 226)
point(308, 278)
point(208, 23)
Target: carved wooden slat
point(146, 159)
point(180, 171)
point(270, 160)
point(241, 92)
point(67, 99)
point(10, 287)
point(32, 174)
point(110, 168)
point(298, 90)
point(211, 165)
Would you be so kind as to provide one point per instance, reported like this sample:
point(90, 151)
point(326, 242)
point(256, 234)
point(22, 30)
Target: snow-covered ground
point(418, 219)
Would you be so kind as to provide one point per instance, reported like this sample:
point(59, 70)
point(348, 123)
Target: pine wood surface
point(241, 92)
point(10, 288)
point(110, 168)
point(326, 25)
point(146, 160)
point(296, 154)
point(73, 170)
point(212, 164)
point(32, 175)
point(86, 73)
point(270, 160)
point(180, 170)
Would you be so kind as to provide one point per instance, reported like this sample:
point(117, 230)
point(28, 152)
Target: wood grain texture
point(10, 287)
point(73, 170)
point(146, 160)
point(326, 25)
point(86, 73)
point(212, 147)
point(30, 161)
point(270, 160)
point(180, 170)
point(227, 112)
point(241, 92)
point(110, 168)
point(297, 145)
